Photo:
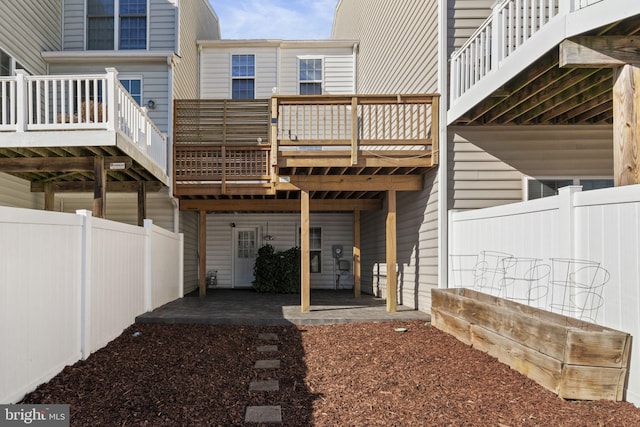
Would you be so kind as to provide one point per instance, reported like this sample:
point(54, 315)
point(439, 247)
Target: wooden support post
point(100, 188)
point(391, 252)
point(142, 202)
point(626, 128)
point(305, 278)
point(202, 261)
point(356, 254)
point(49, 197)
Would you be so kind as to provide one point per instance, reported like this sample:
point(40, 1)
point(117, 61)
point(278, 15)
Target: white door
point(245, 251)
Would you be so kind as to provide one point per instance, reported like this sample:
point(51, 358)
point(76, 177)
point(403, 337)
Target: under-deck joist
point(280, 205)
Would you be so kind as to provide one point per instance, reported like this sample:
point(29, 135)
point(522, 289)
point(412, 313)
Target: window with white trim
point(134, 87)
point(131, 28)
point(315, 248)
point(539, 188)
point(243, 76)
point(5, 64)
point(310, 76)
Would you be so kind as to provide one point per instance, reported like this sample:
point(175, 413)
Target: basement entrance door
point(245, 251)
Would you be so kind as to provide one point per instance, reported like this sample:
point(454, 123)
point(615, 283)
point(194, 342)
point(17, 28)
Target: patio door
point(245, 242)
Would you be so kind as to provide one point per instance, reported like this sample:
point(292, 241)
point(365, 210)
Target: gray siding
point(398, 53)
point(336, 229)
point(487, 164)
point(155, 83)
point(28, 28)
point(162, 25)
point(197, 22)
point(417, 251)
point(398, 43)
point(337, 73)
point(121, 207)
point(16, 193)
point(189, 227)
point(73, 25)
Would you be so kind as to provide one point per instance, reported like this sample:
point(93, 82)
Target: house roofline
point(276, 43)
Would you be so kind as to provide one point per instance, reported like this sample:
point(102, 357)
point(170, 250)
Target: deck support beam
point(305, 277)
point(49, 197)
point(356, 254)
point(202, 253)
point(622, 53)
point(100, 188)
point(391, 252)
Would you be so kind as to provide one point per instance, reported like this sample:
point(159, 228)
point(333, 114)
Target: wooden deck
point(226, 149)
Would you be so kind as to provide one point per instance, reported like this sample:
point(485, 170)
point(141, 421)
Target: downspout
point(355, 67)
point(443, 187)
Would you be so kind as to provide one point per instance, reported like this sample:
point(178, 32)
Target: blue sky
point(275, 19)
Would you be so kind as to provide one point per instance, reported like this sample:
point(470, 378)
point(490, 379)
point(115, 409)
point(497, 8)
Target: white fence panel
point(40, 256)
point(69, 284)
point(601, 226)
point(117, 279)
point(166, 272)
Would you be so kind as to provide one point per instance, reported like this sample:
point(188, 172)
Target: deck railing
point(389, 125)
point(511, 24)
point(216, 163)
point(78, 102)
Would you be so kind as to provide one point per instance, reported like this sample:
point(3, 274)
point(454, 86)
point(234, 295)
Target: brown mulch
point(340, 375)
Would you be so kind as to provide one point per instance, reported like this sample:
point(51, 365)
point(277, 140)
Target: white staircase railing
point(511, 24)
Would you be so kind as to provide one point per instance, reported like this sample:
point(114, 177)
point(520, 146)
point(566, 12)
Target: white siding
point(338, 69)
point(215, 75)
point(487, 163)
point(336, 229)
point(28, 28)
point(155, 83)
point(16, 192)
point(398, 50)
point(465, 17)
point(189, 227)
point(275, 67)
point(197, 22)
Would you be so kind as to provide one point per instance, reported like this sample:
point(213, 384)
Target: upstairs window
point(5, 64)
point(310, 76)
point(243, 74)
point(133, 24)
point(130, 31)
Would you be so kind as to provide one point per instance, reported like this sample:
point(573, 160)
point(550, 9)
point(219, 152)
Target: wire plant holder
point(566, 286)
point(577, 287)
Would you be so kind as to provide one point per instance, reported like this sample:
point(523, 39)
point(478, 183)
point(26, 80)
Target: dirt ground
point(340, 375)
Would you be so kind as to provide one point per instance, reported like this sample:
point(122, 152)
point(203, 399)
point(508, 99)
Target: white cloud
point(275, 19)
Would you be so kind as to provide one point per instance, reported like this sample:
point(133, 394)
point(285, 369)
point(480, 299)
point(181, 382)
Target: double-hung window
point(310, 76)
point(121, 20)
point(315, 248)
point(243, 76)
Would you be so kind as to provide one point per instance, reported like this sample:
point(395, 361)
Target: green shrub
point(277, 272)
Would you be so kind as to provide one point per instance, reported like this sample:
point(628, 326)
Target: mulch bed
point(338, 375)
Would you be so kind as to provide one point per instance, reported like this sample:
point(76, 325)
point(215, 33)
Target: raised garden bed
point(572, 358)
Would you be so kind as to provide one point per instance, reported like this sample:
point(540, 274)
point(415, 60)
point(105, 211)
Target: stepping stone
point(267, 348)
point(269, 385)
point(267, 336)
point(267, 364)
point(263, 414)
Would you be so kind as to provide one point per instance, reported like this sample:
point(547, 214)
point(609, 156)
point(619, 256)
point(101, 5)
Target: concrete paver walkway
point(247, 307)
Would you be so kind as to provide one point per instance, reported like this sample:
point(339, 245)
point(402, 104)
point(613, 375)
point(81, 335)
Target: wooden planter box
point(572, 358)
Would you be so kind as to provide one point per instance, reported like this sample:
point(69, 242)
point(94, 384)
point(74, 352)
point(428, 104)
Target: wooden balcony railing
point(348, 130)
point(247, 143)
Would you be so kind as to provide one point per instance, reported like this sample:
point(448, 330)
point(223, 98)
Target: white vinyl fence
point(565, 236)
point(69, 284)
